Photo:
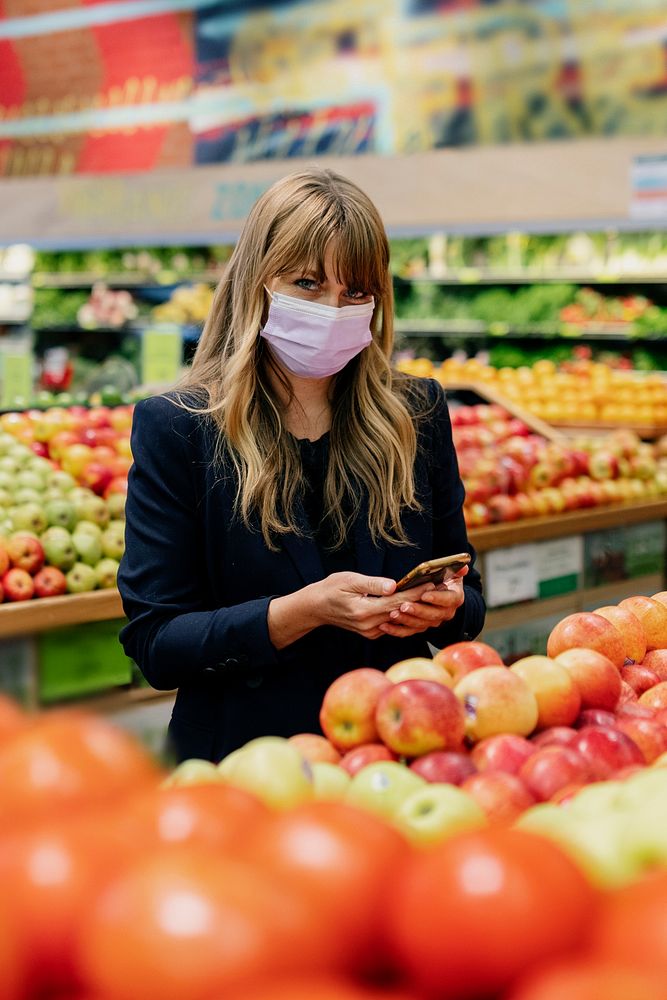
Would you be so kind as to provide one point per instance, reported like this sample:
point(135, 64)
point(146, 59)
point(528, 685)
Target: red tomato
point(345, 857)
point(632, 927)
point(318, 988)
point(589, 980)
point(466, 917)
point(67, 759)
point(189, 923)
point(13, 720)
point(216, 816)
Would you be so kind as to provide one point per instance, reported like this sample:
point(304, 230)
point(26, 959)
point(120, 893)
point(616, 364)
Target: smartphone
point(434, 571)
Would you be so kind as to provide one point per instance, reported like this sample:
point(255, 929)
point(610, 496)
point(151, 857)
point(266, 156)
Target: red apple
point(419, 668)
point(551, 768)
point(96, 477)
point(314, 747)
point(50, 582)
point(630, 627)
point(462, 657)
point(661, 596)
point(606, 750)
point(639, 677)
point(347, 715)
point(502, 796)
point(496, 701)
point(562, 736)
point(4, 559)
point(567, 792)
point(25, 552)
point(368, 753)
point(656, 697)
point(595, 675)
point(656, 661)
point(450, 767)
point(594, 717)
point(627, 695)
point(505, 752)
point(584, 630)
point(18, 585)
point(649, 735)
point(556, 693)
point(653, 616)
point(416, 717)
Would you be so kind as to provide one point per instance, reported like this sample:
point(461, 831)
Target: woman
point(278, 496)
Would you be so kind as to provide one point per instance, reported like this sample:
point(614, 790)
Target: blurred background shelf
point(29, 617)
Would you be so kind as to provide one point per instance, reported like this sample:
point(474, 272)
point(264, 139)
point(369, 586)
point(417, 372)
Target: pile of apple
point(56, 536)
point(510, 473)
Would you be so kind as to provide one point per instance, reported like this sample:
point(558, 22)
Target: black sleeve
point(449, 529)
point(173, 633)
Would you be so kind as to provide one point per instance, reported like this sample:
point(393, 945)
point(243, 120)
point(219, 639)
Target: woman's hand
point(433, 609)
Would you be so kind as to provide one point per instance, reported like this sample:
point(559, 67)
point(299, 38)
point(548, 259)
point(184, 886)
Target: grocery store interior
point(517, 154)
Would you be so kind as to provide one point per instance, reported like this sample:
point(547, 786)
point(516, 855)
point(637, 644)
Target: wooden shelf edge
point(28, 617)
point(499, 536)
point(114, 700)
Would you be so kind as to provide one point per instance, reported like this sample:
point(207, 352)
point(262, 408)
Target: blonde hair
point(373, 440)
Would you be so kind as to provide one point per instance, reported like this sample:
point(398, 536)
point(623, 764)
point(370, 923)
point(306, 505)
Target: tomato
point(632, 926)
point(318, 988)
point(466, 917)
point(189, 923)
point(12, 720)
point(67, 759)
point(217, 816)
point(589, 980)
point(344, 857)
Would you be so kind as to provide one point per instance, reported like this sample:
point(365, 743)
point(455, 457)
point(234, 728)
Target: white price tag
point(511, 575)
point(561, 557)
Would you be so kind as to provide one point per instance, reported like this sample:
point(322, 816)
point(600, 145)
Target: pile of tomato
point(116, 888)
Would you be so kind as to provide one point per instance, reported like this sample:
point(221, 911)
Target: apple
point(416, 717)
point(81, 578)
point(653, 616)
point(437, 811)
point(18, 585)
point(585, 630)
point(597, 678)
point(419, 668)
point(595, 717)
point(382, 787)
point(31, 517)
point(656, 697)
point(563, 736)
point(607, 750)
point(551, 768)
point(106, 573)
point(272, 769)
point(58, 547)
point(557, 696)
point(347, 716)
point(639, 677)
point(60, 513)
point(92, 508)
point(90, 528)
point(627, 695)
point(115, 502)
point(113, 541)
point(5, 561)
point(192, 772)
point(29, 479)
point(462, 657)
point(505, 752)
point(602, 464)
point(649, 735)
point(25, 552)
point(75, 457)
point(50, 582)
point(661, 596)
point(365, 754)
point(630, 628)
point(96, 477)
point(501, 795)
point(23, 497)
point(449, 767)
point(314, 747)
point(87, 547)
point(329, 780)
point(656, 661)
point(496, 701)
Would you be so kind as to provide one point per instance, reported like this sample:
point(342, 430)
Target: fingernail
point(393, 614)
point(388, 587)
point(405, 608)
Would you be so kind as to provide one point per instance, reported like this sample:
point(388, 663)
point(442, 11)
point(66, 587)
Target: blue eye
point(356, 293)
point(308, 284)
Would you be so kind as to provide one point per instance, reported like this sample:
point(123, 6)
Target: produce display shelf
point(576, 522)
point(44, 613)
point(645, 431)
point(548, 331)
point(81, 279)
point(122, 698)
point(477, 276)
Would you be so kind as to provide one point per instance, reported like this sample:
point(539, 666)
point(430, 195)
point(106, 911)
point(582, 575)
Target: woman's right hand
point(360, 603)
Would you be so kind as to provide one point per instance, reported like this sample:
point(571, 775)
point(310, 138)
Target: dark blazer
point(196, 585)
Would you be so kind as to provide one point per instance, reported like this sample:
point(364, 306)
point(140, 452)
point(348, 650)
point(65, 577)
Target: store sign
point(649, 187)
point(511, 575)
point(161, 356)
point(560, 565)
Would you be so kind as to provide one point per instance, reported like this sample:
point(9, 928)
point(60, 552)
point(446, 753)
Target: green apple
point(6, 442)
point(81, 578)
point(440, 810)
point(29, 517)
point(274, 770)
point(643, 787)
point(24, 495)
point(21, 455)
point(78, 493)
point(30, 480)
point(113, 541)
point(193, 772)
point(329, 780)
point(116, 505)
point(382, 787)
point(89, 528)
point(88, 548)
point(6, 498)
point(41, 467)
point(7, 481)
point(92, 508)
point(60, 512)
point(596, 799)
point(106, 572)
point(61, 480)
point(9, 465)
point(58, 547)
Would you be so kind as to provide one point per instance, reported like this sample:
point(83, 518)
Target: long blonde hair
point(373, 440)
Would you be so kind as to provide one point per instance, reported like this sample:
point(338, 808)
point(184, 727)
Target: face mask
point(314, 340)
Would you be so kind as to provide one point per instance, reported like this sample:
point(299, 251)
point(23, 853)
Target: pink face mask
point(314, 340)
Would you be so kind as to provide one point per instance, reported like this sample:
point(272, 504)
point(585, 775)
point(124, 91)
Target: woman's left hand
point(435, 607)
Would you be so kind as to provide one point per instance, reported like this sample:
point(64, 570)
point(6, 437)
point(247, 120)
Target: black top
point(315, 461)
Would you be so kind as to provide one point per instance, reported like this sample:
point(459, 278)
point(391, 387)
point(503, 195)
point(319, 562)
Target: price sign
point(161, 356)
point(560, 565)
point(16, 379)
point(511, 575)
